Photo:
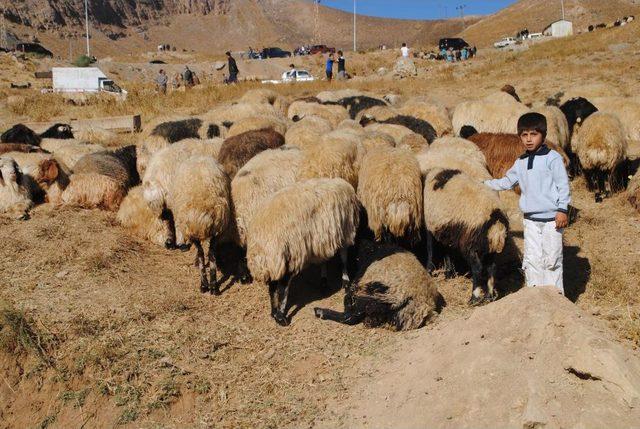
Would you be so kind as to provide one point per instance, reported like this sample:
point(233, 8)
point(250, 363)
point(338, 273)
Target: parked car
point(507, 41)
point(452, 42)
point(293, 76)
point(321, 49)
point(275, 53)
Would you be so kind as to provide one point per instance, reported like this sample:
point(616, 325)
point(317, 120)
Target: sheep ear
point(1, 179)
point(49, 170)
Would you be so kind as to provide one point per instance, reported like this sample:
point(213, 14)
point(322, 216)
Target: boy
point(329, 68)
point(544, 202)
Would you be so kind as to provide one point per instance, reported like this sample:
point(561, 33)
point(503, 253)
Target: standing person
point(187, 77)
point(161, 82)
point(544, 201)
point(329, 68)
point(342, 70)
point(233, 69)
point(292, 71)
point(405, 51)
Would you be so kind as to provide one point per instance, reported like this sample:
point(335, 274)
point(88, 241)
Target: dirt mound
point(530, 360)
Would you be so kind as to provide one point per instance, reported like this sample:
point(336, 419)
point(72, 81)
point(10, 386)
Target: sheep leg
point(283, 295)
point(476, 274)
point(607, 179)
point(167, 220)
point(214, 286)
point(346, 318)
point(449, 267)
point(344, 258)
point(323, 274)
point(430, 266)
point(273, 296)
point(204, 282)
point(490, 264)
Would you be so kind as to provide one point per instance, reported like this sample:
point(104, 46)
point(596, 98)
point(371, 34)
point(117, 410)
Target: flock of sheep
point(392, 185)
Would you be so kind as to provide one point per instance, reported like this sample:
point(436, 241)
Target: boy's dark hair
point(533, 121)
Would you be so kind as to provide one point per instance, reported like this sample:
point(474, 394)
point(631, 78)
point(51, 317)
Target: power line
point(461, 9)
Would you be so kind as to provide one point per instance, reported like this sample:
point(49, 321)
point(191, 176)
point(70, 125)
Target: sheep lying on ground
point(390, 190)
point(160, 174)
point(307, 132)
point(237, 150)
point(69, 151)
point(134, 214)
point(391, 288)
point(502, 150)
point(303, 224)
point(633, 191)
point(45, 177)
point(497, 113)
point(466, 216)
point(336, 156)
point(20, 133)
point(199, 200)
point(101, 180)
point(96, 135)
point(601, 148)
point(15, 200)
point(19, 147)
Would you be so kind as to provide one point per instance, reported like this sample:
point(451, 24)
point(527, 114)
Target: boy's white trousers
point(542, 262)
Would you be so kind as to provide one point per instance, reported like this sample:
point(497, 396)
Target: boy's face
point(532, 140)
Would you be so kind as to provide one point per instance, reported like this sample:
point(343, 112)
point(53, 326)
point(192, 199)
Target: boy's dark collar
point(542, 150)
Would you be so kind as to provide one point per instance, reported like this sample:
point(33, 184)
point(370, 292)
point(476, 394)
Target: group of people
point(342, 68)
point(453, 55)
point(188, 77)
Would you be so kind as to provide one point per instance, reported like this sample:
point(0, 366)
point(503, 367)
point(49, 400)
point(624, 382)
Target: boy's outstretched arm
point(509, 180)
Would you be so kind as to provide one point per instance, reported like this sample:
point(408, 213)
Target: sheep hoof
point(204, 286)
point(281, 319)
point(475, 301)
point(170, 244)
point(346, 284)
point(183, 247)
point(319, 312)
point(490, 297)
point(598, 198)
point(24, 217)
point(215, 290)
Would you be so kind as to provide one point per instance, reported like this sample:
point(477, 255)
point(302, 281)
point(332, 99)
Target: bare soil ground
point(100, 329)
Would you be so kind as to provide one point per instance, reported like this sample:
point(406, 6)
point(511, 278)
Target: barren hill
point(536, 15)
point(211, 25)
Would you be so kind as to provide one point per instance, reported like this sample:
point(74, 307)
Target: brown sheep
point(237, 150)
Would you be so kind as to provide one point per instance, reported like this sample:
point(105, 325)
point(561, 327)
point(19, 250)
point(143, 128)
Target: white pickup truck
point(507, 41)
point(293, 76)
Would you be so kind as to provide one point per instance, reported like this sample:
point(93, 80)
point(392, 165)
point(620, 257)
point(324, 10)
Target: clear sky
point(418, 9)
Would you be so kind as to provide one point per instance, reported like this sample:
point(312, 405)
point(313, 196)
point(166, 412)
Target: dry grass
point(130, 338)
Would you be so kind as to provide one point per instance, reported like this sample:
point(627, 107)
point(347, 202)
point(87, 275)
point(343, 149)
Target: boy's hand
point(562, 220)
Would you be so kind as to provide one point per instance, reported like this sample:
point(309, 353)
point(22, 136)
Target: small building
point(561, 28)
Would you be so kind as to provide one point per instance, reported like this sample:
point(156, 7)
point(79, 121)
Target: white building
point(561, 28)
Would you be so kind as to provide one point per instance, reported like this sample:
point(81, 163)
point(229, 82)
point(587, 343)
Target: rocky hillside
point(210, 25)
point(536, 15)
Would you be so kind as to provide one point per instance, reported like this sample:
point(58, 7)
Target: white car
point(293, 76)
point(507, 41)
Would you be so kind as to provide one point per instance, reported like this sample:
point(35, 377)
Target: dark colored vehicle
point(275, 53)
point(454, 43)
point(321, 49)
point(33, 48)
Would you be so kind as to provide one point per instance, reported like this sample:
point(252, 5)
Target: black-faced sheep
point(576, 110)
point(237, 150)
point(601, 147)
point(464, 215)
point(357, 104)
point(391, 288)
point(416, 125)
point(15, 200)
point(20, 133)
point(390, 190)
point(303, 224)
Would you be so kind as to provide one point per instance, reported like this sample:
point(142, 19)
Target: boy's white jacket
point(544, 183)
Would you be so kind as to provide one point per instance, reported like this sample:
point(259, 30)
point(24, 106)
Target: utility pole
point(316, 26)
point(86, 21)
point(3, 41)
point(461, 9)
point(355, 46)
point(562, 5)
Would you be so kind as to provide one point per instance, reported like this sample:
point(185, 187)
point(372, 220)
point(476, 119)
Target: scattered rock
point(382, 71)
point(405, 67)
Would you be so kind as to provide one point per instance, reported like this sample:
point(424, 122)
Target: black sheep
point(418, 126)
